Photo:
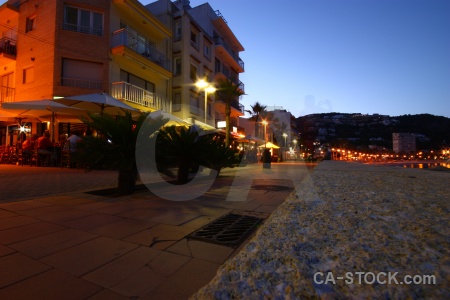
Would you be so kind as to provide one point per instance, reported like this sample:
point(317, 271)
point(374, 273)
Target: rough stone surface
point(346, 218)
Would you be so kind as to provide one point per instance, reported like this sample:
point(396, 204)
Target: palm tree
point(228, 92)
point(256, 111)
point(115, 146)
point(183, 146)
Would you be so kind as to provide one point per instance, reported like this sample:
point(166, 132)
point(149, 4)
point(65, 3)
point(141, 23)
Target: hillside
point(360, 131)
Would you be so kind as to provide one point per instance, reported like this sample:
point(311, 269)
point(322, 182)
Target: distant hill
point(360, 131)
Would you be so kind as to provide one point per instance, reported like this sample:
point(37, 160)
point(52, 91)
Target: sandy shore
point(371, 225)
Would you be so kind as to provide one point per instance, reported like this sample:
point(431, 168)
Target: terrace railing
point(131, 93)
point(122, 37)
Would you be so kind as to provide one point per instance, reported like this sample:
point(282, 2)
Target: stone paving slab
point(59, 239)
point(53, 284)
point(83, 258)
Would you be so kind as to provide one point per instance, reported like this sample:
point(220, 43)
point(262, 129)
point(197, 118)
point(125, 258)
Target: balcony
point(133, 94)
point(123, 38)
point(237, 109)
point(8, 48)
point(83, 29)
point(238, 62)
point(7, 94)
point(238, 106)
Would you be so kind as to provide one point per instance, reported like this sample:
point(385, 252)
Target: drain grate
point(229, 230)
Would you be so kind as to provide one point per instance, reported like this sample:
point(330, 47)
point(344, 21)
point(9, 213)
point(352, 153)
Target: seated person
point(28, 144)
point(44, 144)
point(74, 139)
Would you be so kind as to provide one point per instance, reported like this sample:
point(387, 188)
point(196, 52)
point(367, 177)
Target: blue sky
point(351, 56)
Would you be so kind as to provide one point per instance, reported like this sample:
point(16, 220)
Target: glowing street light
point(285, 136)
point(208, 88)
point(264, 122)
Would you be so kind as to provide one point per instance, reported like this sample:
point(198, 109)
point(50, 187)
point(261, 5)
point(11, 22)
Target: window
point(84, 74)
point(177, 64)
point(137, 41)
point(28, 75)
point(207, 50)
point(137, 81)
point(7, 90)
point(30, 24)
point(194, 107)
point(193, 73)
point(81, 20)
point(176, 105)
point(217, 66)
point(194, 39)
point(178, 32)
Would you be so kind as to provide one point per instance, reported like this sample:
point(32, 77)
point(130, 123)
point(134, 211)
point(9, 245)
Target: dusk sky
point(352, 56)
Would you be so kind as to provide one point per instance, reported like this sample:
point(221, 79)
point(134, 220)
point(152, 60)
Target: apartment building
point(88, 46)
point(51, 48)
point(204, 47)
point(403, 142)
point(150, 57)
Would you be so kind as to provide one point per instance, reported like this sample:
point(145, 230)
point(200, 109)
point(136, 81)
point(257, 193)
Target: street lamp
point(208, 88)
point(264, 122)
point(285, 146)
point(266, 154)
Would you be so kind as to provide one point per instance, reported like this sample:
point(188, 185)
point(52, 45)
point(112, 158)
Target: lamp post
point(285, 145)
point(208, 88)
point(295, 147)
point(266, 154)
point(264, 122)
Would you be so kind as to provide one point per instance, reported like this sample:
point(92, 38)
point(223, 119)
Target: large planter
point(267, 159)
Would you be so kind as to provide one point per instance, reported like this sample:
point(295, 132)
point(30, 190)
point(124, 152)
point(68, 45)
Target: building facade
point(204, 48)
point(150, 57)
point(403, 142)
point(84, 46)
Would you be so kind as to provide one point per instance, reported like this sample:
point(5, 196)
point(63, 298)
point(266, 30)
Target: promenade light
point(208, 88)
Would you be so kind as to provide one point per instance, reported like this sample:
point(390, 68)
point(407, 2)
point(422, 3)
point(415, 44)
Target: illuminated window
point(81, 20)
point(30, 24)
point(28, 75)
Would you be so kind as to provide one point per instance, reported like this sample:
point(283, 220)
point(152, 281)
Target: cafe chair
point(65, 155)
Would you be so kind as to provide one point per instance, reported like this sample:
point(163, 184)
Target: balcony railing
point(238, 106)
point(8, 46)
point(137, 95)
point(124, 38)
point(7, 94)
point(82, 83)
point(83, 29)
point(219, 41)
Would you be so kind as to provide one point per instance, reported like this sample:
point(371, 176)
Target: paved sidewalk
point(58, 242)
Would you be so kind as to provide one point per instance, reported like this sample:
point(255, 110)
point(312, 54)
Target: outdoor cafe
point(37, 132)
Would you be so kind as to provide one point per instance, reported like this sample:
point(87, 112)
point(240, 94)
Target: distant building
point(404, 142)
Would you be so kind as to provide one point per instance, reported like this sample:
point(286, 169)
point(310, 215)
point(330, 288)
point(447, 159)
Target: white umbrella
point(40, 109)
point(173, 120)
point(97, 103)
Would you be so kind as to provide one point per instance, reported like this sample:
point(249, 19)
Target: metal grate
point(229, 230)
